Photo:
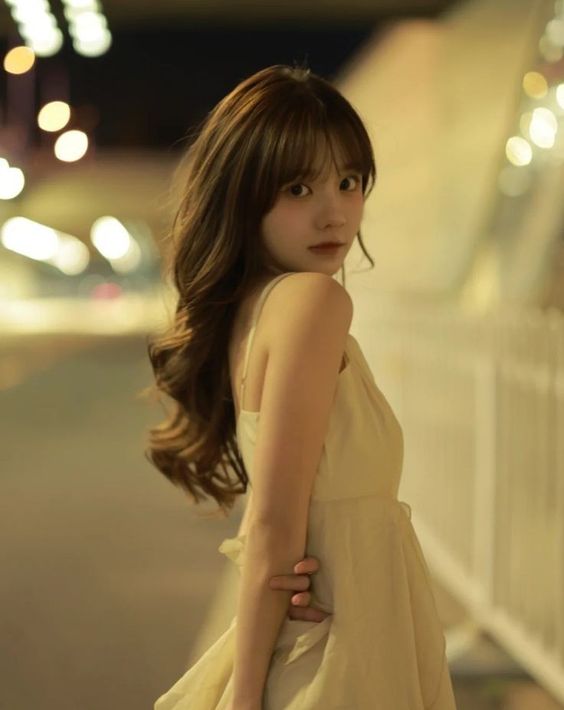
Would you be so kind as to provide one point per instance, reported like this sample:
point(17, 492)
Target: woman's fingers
point(309, 565)
point(299, 581)
point(290, 582)
point(301, 599)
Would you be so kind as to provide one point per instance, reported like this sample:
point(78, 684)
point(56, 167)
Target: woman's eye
point(293, 189)
point(355, 181)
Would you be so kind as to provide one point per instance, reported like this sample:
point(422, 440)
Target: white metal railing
point(481, 403)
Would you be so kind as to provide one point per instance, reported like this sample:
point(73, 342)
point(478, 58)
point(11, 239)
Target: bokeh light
point(110, 237)
point(29, 238)
point(12, 181)
point(560, 95)
point(19, 60)
point(54, 116)
point(71, 146)
point(534, 85)
point(72, 256)
point(88, 27)
point(543, 127)
point(518, 151)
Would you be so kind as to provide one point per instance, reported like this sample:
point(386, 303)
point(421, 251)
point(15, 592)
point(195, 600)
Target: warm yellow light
point(54, 116)
point(44, 44)
point(525, 121)
point(12, 181)
point(534, 85)
point(518, 151)
point(81, 5)
point(42, 243)
point(89, 23)
point(19, 60)
point(110, 237)
point(93, 49)
point(555, 31)
point(130, 260)
point(71, 146)
point(24, 236)
point(72, 256)
point(560, 95)
point(543, 127)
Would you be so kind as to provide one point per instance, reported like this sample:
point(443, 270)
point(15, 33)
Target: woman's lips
point(329, 249)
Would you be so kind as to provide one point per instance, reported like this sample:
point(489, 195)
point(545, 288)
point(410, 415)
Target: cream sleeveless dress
point(383, 646)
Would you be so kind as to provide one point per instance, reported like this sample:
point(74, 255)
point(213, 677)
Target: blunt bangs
point(308, 143)
point(299, 138)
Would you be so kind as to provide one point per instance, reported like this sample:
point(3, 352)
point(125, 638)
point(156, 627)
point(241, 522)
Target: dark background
point(165, 71)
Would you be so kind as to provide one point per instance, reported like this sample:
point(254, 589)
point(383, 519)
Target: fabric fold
point(233, 548)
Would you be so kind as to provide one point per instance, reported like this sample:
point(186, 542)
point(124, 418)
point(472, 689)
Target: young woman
point(271, 391)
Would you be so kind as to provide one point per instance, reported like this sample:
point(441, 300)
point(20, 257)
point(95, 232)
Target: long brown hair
point(262, 135)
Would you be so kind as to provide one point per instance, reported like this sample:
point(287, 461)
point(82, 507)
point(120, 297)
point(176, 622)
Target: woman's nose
point(331, 212)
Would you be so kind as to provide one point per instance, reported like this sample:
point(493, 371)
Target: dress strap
point(258, 307)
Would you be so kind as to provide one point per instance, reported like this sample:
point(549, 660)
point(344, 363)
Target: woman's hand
point(299, 582)
point(299, 607)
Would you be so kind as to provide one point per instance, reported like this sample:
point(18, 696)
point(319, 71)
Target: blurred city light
point(29, 238)
point(110, 237)
point(555, 32)
point(549, 51)
point(534, 85)
point(47, 44)
point(72, 257)
point(560, 95)
point(88, 27)
point(36, 16)
point(82, 4)
point(12, 180)
point(42, 243)
point(95, 47)
point(54, 116)
point(71, 146)
point(525, 122)
point(518, 151)
point(19, 60)
point(543, 127)
point(37, 25)
point(129, 261)
point(113, 240)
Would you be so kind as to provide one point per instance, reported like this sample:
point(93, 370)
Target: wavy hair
point(264, 134)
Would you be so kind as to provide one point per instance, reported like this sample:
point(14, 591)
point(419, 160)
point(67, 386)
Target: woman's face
point(308, 212)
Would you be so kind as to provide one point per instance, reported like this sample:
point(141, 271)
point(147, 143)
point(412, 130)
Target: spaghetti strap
point(258, 307)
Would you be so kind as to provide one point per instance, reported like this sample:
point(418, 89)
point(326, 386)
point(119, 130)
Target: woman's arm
point(297, 582)
point(311, 314)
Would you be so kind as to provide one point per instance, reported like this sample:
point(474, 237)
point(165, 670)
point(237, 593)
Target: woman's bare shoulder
point(309, 290)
